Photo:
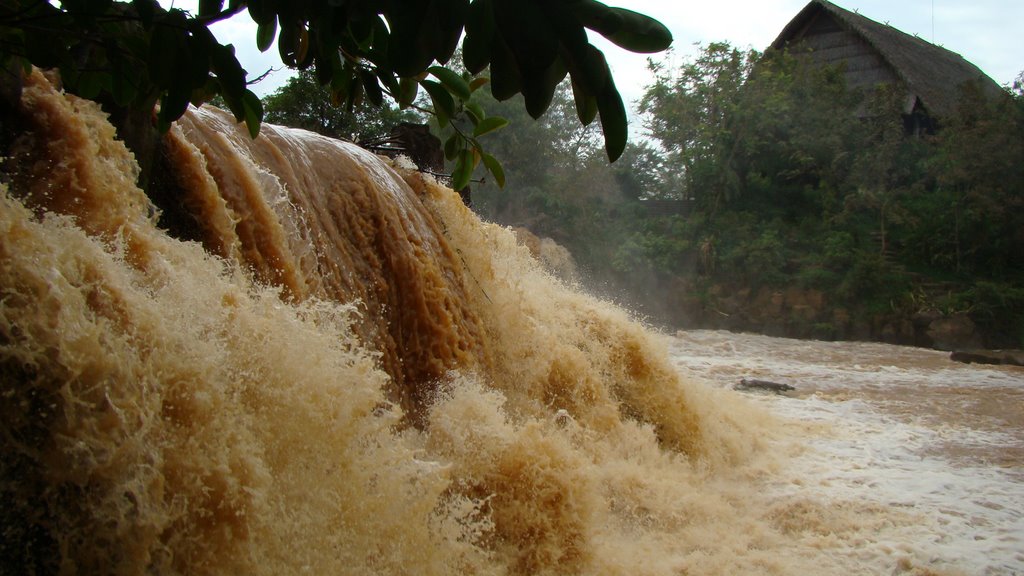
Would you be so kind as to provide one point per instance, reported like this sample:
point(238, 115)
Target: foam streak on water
point(902, 431)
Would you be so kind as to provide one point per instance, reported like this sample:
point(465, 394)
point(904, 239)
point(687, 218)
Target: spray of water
point(350, 373)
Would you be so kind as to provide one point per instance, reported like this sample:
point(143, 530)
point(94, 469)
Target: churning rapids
point(339, 369)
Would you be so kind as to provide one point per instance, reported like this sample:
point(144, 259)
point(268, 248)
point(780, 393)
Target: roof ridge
point(925, 68)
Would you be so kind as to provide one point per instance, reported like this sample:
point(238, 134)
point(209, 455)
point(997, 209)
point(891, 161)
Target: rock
point(422, 147)
point(924, 318)
point(998, 357)
point(898, 331)
point(748, 384)
point(803, 312)
point(956, 332)
point(774, 327)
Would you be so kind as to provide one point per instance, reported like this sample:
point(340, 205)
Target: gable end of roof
point(930, 72)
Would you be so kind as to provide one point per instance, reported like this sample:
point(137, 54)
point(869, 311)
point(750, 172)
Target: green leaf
point(407, 90)
point(253, 110)
point(528, 31)
point(210, 7)
point(444, 105)
point(172, 105)
point(355, 95)
point(539, 87)
point(586, 104)
point(290, 45)
point(480, 29)
point(168, 48)
point(302, 56)
point(205, 93)
point(451, 146)
point(260, 10)
point(451, 18)
point(413, 39)
point(328, 64)
point(590, 75)
point(494, 167)
point(196, 66)
point(228, 71)
point(630, 30)
point(90, 83)
point(634, 32)
point(489, 125)
point(452, 81)
point(371, 86)
point(463, 170)
point(265, 34)
point(360, 32)
point(343, 84)
point(475, 112)
point(613, 121)
point(505, 79)
point(388, 80)
point(379, 41)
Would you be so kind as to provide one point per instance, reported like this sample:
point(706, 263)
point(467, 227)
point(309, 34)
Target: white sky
point(985, 32)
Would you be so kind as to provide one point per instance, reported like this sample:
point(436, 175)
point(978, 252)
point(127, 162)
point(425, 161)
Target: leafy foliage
point(799, 179)
point(688, 111)
point(138, 53)
point(132, 53)
point(304, 103)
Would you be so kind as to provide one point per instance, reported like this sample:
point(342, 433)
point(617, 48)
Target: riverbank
point(807, 313)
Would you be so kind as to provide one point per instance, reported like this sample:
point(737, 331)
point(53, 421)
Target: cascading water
point(325, 219)
point(348, 373)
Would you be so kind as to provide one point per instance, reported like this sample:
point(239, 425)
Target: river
point(891, 433)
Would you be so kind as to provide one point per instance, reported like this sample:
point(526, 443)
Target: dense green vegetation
point(779, 176)
point(305, 103)
point(131, 55)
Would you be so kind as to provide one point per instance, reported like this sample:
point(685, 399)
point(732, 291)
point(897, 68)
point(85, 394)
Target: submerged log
point(752, 384)
point(998, 357)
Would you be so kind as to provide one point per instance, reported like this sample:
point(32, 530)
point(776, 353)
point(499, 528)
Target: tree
point(304, 103)
point(537, 158)
point(796, 126)
point(138, 53)
point(979, 166)
point(688, 111)
point(881, 171)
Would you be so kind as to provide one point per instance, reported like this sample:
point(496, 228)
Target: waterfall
point(339, 369)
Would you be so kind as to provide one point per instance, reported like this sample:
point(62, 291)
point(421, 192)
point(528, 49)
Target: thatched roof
point(931, 73)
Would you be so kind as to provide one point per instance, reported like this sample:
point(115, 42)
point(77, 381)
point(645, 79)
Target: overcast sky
point(985, 32)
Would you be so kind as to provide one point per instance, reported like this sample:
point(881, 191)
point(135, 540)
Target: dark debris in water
point(751, 385)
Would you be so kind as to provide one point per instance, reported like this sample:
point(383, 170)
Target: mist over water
point(350, 373)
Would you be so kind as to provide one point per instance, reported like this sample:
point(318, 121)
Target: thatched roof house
point(875, 53)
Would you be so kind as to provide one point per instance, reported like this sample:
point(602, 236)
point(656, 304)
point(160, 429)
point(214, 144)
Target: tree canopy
point(764, 173)
point(137, 53)
point(304, 103)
